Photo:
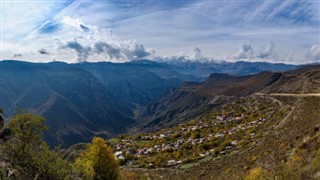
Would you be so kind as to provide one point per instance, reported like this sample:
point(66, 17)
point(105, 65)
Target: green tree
point(1, 119)
point(28, 153)
point(98, 161)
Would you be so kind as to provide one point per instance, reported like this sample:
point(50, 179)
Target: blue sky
point(121, 30)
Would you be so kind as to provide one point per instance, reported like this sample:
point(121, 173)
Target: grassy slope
point(286, 148)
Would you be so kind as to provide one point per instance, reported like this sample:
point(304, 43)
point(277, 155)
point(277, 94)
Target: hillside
point(192, 99)
point(303, 80)
point(198, 97)
point(285, 146)
point(75, 104)
point(276, 137)
point(137, 83)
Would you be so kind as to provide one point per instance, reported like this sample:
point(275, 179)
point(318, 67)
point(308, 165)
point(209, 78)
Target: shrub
point(257, 174)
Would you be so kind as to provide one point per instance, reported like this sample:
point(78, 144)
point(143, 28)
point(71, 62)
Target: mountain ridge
point(82, 99)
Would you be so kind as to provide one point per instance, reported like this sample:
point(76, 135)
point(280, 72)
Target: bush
point(257, 174)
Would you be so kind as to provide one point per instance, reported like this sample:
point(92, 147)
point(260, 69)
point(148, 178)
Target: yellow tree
point(98, 161)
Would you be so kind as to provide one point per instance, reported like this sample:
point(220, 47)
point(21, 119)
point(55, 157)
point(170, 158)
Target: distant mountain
point(205, 68)
point(138, 83)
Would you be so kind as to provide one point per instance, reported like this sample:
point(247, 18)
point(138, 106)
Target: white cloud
point(99, 45)
point(245, 52)
point(313, 55)
point(267, 53)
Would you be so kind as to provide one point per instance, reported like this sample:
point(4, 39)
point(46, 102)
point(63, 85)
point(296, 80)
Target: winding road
point(291, 95)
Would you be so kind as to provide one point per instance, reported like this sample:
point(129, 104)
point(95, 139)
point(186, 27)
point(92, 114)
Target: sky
point(285, 31)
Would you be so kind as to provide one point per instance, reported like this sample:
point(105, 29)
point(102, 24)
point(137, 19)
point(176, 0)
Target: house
point(147, 138)
point(172, 162)
point(202, 155)
point(237, 119)
point(219, 135)
point(252, 135)
point(118, 153)
point(223, 152)
point(194, 128)
point(221, 118)
point(121, 157)
point(141, 151)
point(234, 143)
point(150, 150)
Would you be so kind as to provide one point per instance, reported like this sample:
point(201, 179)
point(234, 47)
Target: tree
point(28, 153)
point(1, 119)
point(98, 161)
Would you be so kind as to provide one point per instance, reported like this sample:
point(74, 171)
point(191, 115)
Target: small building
point(228, 148)
point(118, 153)
point(221, 118)
point(172, 162)
point(234, 143)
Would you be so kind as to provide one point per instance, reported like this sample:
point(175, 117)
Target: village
point(215, 134)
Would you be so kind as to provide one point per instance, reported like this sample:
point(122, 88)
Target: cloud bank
point(100, 50)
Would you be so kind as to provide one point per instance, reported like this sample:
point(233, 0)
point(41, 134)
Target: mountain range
point(83, 100)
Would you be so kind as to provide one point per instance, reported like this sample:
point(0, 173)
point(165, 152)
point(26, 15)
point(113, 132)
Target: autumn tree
point(28, 153)
point(98, 161)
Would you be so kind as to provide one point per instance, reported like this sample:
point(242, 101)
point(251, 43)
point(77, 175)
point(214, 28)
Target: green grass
point(114, 140)
point(189, 165)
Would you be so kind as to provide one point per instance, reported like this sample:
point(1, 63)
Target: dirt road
point(292, 95)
